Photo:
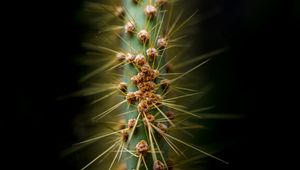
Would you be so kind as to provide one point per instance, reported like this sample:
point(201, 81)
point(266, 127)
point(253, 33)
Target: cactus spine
point(144, 87)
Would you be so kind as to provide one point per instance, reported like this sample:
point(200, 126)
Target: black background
point(43, 39)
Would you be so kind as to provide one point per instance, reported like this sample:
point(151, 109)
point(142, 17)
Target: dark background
point(44, 39)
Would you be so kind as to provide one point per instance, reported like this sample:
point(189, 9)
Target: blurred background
point(45, 42)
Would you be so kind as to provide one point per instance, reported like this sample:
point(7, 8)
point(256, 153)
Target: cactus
point(141, 129)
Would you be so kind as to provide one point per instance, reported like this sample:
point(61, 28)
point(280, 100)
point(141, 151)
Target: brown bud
point(152, 53)
point(129, 27)
point(121, 57)
point(163, 128)
point(130, 58)
point(162, 43)
point(149, 117)
point(131, 123)
point(158, 165)
point(134, 79)
point(124, 135)
point(138, 95)
point(150, 11)
point(147, 86)
point(145, 68)
point(143, 106)
point(130, 97)
point(155, 74)
point(140, 60)
point(138, 78)
point(142, 147)
point(150, 100)
point(143, 36)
